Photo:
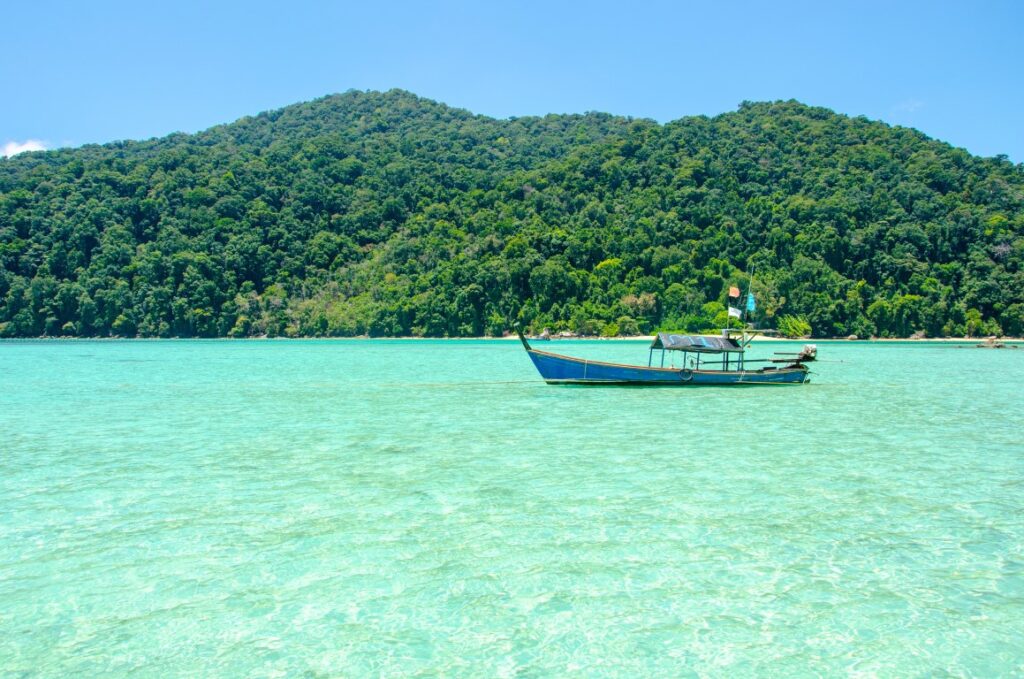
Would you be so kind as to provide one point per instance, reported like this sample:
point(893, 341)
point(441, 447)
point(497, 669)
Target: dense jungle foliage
point(387, 214)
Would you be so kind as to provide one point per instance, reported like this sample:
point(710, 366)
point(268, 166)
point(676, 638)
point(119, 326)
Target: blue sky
point(83, 72)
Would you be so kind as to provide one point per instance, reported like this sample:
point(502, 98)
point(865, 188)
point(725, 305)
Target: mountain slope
point(388, 214)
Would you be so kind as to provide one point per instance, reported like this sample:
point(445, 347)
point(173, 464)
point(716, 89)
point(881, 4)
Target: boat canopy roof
point(701, 344)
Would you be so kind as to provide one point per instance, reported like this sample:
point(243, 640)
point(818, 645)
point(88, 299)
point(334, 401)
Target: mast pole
point(746, 304)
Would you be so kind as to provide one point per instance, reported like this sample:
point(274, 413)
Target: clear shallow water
point(350, 508)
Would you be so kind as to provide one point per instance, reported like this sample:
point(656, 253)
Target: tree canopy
point(386, 214)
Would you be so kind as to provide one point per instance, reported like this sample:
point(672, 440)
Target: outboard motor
point(807, 354)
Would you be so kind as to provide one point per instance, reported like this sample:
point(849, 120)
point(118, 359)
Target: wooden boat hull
point(558, 369)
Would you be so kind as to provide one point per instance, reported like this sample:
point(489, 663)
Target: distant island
point(386, 214)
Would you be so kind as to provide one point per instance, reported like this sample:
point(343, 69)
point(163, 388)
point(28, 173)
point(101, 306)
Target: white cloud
point(12, 148)
point(909, 106)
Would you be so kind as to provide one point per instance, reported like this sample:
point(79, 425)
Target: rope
point(478, 383)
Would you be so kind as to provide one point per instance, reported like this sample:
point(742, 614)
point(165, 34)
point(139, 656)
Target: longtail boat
point(731, 367)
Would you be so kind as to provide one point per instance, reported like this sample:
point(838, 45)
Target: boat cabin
point(723, 345)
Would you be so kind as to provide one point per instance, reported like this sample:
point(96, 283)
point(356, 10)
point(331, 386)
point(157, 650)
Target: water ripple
point(430, 508)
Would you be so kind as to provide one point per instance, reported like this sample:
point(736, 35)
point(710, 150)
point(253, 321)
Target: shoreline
point(513, 338)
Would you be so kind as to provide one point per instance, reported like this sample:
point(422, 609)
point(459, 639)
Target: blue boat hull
point(557, 369)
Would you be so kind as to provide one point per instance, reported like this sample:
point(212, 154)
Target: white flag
point(734, 312)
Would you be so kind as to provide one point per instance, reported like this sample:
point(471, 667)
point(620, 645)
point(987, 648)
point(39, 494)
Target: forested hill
point(387, 214)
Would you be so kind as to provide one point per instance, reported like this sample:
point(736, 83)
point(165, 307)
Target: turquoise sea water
point(420, 508)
